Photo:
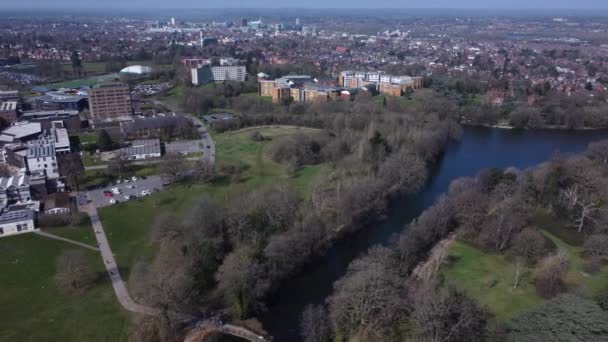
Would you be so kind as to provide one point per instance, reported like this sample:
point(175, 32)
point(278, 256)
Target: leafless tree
point(171, 166)
point(120, 163)
point(583, 203)
point(71, 168)
point(445, 315)
point(597, 245)
point(553, 268)
point(369, 299)
point(529, 244)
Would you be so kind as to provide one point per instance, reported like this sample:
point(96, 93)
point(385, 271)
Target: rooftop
point(41, 149)
point(16, 216)
point(6, 182)
point(8, 105)
point(144, 146)
point(20, 131)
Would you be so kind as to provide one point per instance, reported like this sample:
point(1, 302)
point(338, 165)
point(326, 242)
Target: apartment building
point(107, 101)
point(208, 74)
point(266, 87)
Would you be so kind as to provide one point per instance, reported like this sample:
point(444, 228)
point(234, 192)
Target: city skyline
point(340, 4)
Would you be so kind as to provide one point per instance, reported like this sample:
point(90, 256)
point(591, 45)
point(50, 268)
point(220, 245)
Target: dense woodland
point(381, 299)
point(232, 256)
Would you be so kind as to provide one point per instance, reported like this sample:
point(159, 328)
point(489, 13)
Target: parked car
point(134, 178)
point(113, 201)
point(115, 191)
point(118, 181)
point(131, 186)
point(107, 193)
point(145, 192)
point(127, 197)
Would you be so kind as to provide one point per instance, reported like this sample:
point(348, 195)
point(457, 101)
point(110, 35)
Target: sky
point(477, 4)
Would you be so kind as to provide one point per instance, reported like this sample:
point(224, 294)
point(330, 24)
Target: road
point(209, 145)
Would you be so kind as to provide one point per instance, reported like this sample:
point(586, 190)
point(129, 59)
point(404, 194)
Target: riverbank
point(479, 148)
point(550, 127)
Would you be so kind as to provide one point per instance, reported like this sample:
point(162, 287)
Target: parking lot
point(185, 147)
point(131, 188)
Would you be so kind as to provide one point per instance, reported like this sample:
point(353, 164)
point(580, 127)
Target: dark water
point(479, 148)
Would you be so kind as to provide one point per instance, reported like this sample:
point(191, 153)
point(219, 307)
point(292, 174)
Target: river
point(479, 148)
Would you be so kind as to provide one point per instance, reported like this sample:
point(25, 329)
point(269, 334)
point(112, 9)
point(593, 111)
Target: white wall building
point(17, 222)
point(41, 156)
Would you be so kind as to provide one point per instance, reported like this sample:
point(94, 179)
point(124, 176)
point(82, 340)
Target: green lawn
point(34, 309)
point(489, 279)
point(82, 233)
point(92, 160)
point(128, 224)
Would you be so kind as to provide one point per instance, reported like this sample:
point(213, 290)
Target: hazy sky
point(493, 4)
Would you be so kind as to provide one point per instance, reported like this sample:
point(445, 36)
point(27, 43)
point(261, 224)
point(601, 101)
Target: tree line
point(381, 299)
point(230, 256)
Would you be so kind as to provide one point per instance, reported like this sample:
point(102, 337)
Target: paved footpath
point(56, 237)
point(108, 260)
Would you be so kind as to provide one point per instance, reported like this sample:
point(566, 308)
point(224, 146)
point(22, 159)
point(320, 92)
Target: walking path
point(56, 237)
point(108, 260)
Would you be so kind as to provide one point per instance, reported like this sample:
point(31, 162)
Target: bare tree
point(369, 299)
point(445, 315)
point(583, 203)
point(120, 163)
point(71, 168)
point(550, 282)
point(172, 166)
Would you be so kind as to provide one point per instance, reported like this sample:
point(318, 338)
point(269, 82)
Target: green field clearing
point(128, 224)
point(34, 309)
point(488, 277)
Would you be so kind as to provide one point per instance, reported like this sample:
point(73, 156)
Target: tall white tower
point(173, 22)
point(298, 21)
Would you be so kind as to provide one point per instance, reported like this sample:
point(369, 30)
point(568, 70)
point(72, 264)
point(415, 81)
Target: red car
point(107, 194)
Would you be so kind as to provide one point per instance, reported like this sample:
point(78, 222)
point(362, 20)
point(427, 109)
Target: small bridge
point(204, 329)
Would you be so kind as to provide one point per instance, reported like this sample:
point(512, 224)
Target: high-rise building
point(110, 101)
point(207, 74)
point(298, 21)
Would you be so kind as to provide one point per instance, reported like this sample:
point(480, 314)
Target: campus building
point(107, 101)
point(209, 74)
point(13, 222)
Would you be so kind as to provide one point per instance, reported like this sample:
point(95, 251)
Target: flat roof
point(8, 105)
point(144, 146)
point(41, 150)
point(60, 97)
point(16, 216)
point(22, 130)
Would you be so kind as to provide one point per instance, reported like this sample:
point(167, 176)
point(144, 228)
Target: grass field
point(34, 309)
point(128, 224)
point(488, 277)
